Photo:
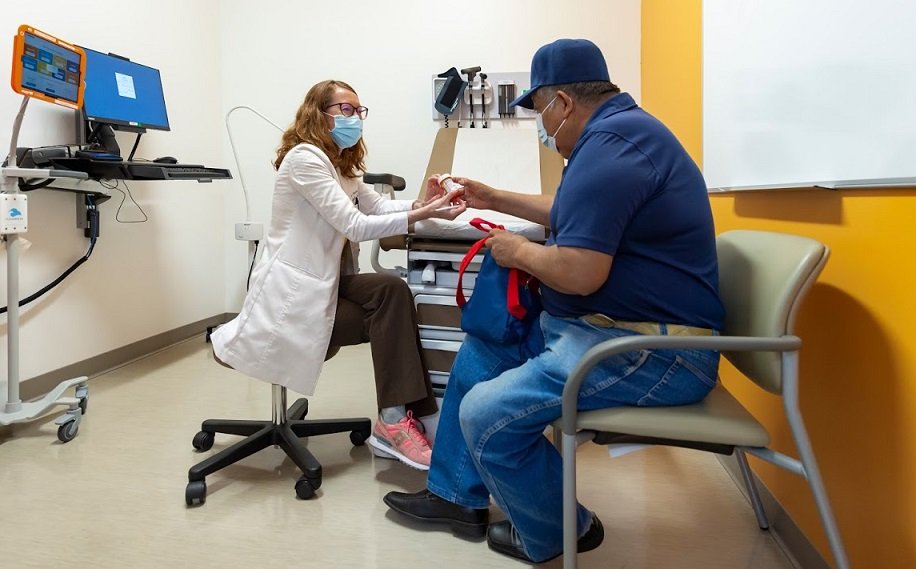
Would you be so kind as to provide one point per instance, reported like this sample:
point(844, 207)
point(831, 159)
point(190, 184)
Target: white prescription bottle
point(446, 181)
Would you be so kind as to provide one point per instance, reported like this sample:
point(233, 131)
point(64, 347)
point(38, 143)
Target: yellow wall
point(858, 362)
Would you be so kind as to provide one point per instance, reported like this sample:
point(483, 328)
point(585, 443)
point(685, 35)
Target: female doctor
point(307, 296)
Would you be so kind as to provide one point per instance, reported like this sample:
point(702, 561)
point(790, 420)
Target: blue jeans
point(500, 399)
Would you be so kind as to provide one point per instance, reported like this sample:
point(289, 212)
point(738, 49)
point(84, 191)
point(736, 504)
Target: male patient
point(631, 251)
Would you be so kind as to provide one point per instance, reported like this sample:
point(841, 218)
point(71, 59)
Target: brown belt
point(647, 328)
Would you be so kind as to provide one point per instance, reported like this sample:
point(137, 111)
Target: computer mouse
point(166, 160)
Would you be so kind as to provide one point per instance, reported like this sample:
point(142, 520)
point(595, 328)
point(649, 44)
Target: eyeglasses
point(347, 110)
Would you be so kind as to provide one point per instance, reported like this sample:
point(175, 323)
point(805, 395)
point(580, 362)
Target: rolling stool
point(283, 430)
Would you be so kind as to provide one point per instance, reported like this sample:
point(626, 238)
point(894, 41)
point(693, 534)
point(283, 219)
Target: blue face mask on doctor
point(347, 130)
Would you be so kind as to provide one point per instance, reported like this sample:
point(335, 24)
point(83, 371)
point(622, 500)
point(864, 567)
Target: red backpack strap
point(513, 304)
point(475, 248)
point(518, 279)
point(483, 225)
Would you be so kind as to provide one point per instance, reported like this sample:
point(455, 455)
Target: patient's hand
point(504, 246)
point(477, 194)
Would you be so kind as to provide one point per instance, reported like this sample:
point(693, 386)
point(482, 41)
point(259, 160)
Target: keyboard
point(164, 171)
point(141, 170)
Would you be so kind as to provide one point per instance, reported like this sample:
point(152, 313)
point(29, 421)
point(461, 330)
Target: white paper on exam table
point(461, 229)
point(508, 159)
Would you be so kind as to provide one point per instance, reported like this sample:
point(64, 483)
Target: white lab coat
point(282, 332)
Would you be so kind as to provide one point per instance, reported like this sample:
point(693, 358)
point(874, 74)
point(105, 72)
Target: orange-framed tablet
point(47, 68)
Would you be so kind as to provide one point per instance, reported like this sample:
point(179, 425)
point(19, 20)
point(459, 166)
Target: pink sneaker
point(403, 441)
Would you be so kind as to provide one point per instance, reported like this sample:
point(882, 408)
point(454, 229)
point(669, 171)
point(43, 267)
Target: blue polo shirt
point(630, 190)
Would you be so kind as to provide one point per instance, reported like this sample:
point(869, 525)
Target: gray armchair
point(763, 278)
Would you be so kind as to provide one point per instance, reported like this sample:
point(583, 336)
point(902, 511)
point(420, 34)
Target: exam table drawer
point(443, 277)
point(439, 311)
point(439, 354)
point(439, 379)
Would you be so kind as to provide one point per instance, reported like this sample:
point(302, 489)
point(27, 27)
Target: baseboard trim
point(41, 384)
point(790, 537)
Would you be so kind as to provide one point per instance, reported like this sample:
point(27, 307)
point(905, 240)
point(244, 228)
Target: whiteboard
point(812, 91)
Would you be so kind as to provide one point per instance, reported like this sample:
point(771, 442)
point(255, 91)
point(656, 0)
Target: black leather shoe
point(427, 507)
point(502, 538)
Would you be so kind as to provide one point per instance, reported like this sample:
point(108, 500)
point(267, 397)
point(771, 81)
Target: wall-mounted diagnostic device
point(450, 93)
point(478, 98)
point(506, 96)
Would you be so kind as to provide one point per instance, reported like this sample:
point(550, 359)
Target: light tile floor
point(114, 496)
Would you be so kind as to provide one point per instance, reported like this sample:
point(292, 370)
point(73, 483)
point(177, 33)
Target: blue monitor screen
point(121, 92)
point(50, 69)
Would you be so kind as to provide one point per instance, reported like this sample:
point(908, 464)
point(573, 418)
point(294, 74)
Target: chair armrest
point(632, 343)
point(387, 184)
point(397, 242)
point(396, 182)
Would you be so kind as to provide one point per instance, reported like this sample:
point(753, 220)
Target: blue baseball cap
point(561, 62)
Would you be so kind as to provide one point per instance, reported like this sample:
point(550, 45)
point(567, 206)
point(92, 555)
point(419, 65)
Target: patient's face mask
point(347, 130)
point(548, 140)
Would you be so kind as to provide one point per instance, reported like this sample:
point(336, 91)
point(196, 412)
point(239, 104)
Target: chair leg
point(293, 447)
point(806, 453)
point(298, 410)
point(570, 528)
point(813, 475)
point(233, 426)
point(315, 427)
point(752, 493)
point(242, 449)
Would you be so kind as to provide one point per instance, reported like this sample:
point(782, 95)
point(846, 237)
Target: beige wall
point(273, 51)
point(143, 278)
point(184, 264)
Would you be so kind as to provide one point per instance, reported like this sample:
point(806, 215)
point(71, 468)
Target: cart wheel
point(203, 441)
point(67, 431)
point(195, 492)
point(84, 402)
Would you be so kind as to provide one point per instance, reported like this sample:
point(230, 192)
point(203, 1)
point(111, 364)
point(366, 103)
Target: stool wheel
point(305, 488)
point(196, 491)
point(358, 438)
point(203, 441)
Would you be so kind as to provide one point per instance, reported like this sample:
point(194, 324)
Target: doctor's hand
point(448, 206)
point(504, 246)
point(477, 194)
point(433, 189)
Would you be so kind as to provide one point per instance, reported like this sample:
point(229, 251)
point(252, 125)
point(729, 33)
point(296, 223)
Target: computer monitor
point(47, 68)
point(123, 94)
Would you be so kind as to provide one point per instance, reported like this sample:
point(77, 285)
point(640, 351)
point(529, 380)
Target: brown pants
point(379, 309)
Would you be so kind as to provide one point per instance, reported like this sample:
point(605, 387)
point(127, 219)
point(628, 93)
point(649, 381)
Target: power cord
point(238, 167)
point(124, 196)
point(93, 235)
point(25, 186)
point(235, 154)
point(254, 257)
